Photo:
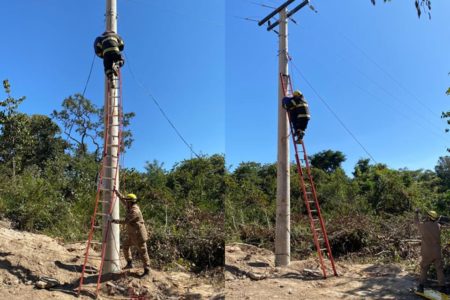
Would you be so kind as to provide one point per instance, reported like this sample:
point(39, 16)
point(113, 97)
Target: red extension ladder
point(309, 194)
point(96, 219)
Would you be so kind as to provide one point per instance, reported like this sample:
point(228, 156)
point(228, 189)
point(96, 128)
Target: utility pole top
point(278, 10)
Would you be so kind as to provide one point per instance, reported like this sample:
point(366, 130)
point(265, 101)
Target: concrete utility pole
point(110, 169)
point(283, 217)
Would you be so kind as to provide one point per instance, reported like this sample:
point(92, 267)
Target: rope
point(161, 109)
point(331, 110)
point(89, 76)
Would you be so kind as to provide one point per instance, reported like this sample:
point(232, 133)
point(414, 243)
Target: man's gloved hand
point(115, 221)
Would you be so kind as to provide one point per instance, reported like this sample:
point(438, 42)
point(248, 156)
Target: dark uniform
point(299, 116)
point(430, 250)
point(109, 46)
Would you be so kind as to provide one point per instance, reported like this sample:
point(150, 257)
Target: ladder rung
point(96, 242)
point(313, 210)
point(102, 214)
point(323, 249)
point(94, 256)
point(110, 167)
point(111, 145)
point(105, 190)
point(315, 219)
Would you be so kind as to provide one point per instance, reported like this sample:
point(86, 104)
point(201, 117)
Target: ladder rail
point(308, 208)
point(97, 198)
point(286, 86)
point(319, 211)
point(113, 197)
point(109, 114)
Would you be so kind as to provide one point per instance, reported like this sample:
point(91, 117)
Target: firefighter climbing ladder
point(317, 223)
point(102, 186)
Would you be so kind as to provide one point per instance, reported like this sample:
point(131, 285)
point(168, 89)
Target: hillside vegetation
point(49, 168)
point(369, 215)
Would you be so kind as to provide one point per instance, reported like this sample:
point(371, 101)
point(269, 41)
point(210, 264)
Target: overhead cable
point(89, 76)
point(332, 111)
point(156, 102)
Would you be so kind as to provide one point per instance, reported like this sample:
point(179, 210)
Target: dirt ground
point(250, 274)
point(27, 258)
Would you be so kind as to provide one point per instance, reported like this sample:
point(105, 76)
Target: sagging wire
point(155, 101)
point(331, 110)
point(89, 76)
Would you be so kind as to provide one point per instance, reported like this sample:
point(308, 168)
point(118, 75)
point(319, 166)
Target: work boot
point(299, 134)
point(111, 80)
point(419, 288)
point(129, 265)
point(115, 68)
point(146, 272)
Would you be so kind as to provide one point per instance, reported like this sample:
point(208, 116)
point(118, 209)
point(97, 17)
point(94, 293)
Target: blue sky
point(172, 47)
point(382, 70)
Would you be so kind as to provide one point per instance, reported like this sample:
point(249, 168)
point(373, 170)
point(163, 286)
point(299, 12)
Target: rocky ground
point(250, 274)
point(37, 267)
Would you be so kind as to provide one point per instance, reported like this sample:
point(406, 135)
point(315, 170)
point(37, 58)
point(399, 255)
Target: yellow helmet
point(131, 197)
point(297, 93)
point(433, 215)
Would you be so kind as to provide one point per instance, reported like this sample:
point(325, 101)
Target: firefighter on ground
point(298, 110)
point(430, 231)
point(137, 233)
point(109, 47)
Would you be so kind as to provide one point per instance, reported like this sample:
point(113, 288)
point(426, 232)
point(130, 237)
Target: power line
point(246, 19)
point(89, 76)
point(332, 111)
point(261, 4)
point(387, 92)
point(420, 116)
point(160, 109)
point(383, 70)
point(387, 73)
point(420, 122)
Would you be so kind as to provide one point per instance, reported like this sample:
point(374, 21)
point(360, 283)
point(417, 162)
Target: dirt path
point(303, 279)
point(25, 258)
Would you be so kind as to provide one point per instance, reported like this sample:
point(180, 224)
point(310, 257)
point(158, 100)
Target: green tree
point(45, 141)
point(443, 171)
point(361, 167)
point(12, 125)
point(82, 123)
point(422, 6)
point(328, 160)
